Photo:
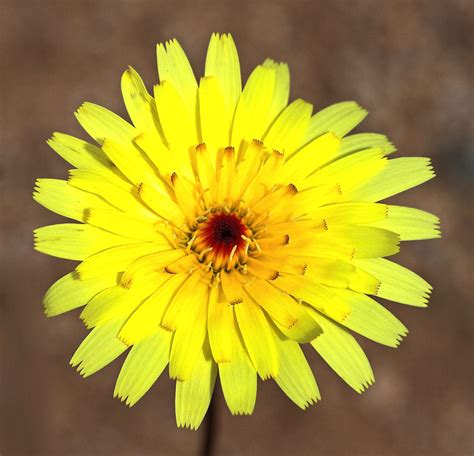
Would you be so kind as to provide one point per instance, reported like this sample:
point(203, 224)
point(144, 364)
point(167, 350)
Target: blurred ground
point(408, 62)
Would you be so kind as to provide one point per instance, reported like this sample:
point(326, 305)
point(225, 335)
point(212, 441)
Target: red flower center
point(224, 231)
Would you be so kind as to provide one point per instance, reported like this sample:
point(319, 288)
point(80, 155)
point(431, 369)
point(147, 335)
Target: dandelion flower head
point(223, 227)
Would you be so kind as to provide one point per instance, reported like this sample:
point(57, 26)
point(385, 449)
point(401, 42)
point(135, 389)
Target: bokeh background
point(408, 62)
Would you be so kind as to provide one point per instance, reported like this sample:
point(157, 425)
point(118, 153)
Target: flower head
point(223, 228)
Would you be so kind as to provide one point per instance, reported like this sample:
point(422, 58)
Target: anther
point(190, 242)
point(257, 246)
point(247, 245)
point(232, 253)
point(203, 253)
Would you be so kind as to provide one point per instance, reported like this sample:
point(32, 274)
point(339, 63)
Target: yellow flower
point(226, 227)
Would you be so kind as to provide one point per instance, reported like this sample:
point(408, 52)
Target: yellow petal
point(320, 246)
point(185, 196)
point(350, 213)
point(146, 319)
point(397, 283)
point(187, 264)
point(173, 66)
point(290, 316)
point(249, 165)
point(193, 396)
point(156, 149)
point(123, 224)
point(232, 286)
point(159, 200)
point(287, 131)
point(130, 160)
point(74, 241)
point(295, 377)
point(340, 274)
point(273, 201)
point(220, 321)
point(349, 172)
point(118, 192)
point(98, 349)
point(282, 261)
point(101, 123)
point(154, 262)
point(79, 153)
point(63, 199)
point(366, 241)
point(252, 114)
point(314, 294)
point(222, 61)
point(238, 377)
point(227, 189)
point(339, 118)
point(180, 300)
point(399, 175)
point(113, 303)
point(370, 319)
point(268, 178)
point(362, 141)
point(69, 292)
point(410, 223)
point(178, 123)
point(310, 157)
point(207, 173)
point(215, 119)
point(342, 352)
point(140, 104)
point(271, 243)
point(261, 269)
point(310, 199)
point(282, 86)
point(143, 365)
point(258, 337)
point(116, 259)
point(191, 329)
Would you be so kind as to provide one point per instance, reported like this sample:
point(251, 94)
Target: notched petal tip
point(201, 147)
point(257, 143)
point(168, 328)
point(128, 342)
point(173, 178)
point(292, 189)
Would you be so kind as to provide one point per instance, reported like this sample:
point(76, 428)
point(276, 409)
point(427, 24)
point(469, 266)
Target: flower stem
point(209, 430)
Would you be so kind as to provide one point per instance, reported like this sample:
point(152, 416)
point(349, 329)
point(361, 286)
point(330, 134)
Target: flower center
point(221, 239)
point(223, 231)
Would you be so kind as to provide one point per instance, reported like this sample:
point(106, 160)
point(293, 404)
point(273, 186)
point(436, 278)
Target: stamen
point(259, 250)
point(203, 253)
point(248, 241)
point(232, 253)
point(190, 242)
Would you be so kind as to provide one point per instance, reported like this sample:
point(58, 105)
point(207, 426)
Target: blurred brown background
point(408, 62)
